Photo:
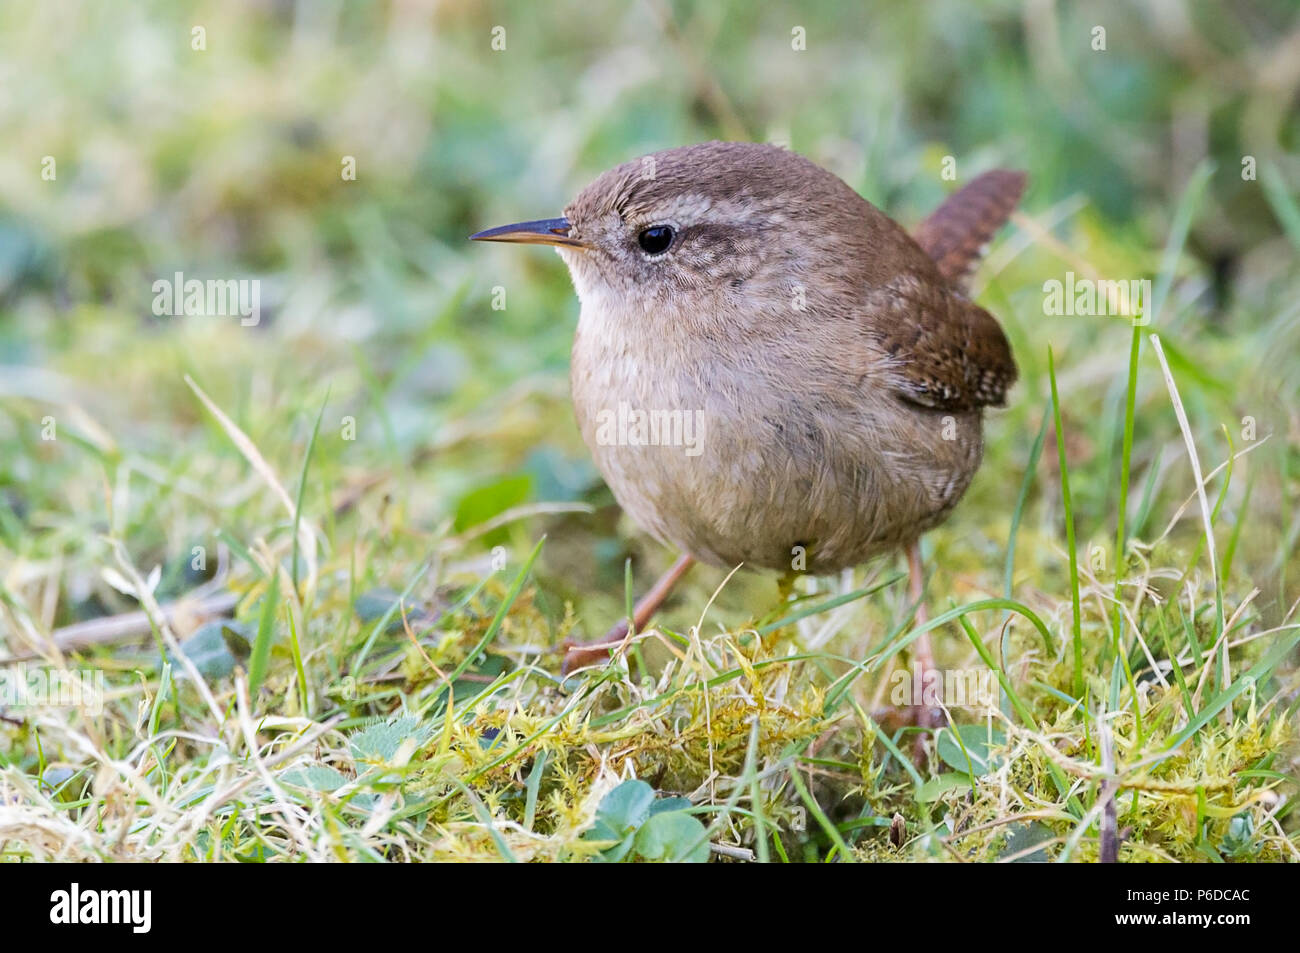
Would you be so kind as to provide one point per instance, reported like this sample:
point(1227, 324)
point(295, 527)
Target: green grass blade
point(261, 653)
point(1178, 230)
point(1076, 625)
point(1126, 453)
point(1283, 202)
point(828, 604)
point(1256, 674)
point(815, 810)
point(531, 787)
point(515, 588)
point(1031, 470)
point(302, 489)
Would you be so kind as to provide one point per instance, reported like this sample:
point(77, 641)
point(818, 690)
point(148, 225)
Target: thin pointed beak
point(546, 231)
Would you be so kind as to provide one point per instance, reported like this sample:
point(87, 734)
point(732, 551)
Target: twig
point(737, 853)
point(129, 625)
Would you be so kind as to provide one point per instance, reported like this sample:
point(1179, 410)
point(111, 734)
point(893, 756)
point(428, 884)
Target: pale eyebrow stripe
point(689, 210)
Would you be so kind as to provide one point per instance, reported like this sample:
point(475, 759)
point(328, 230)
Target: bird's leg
point(922, 652)
point(916, 589)
point(785, 586)
point(584, 653)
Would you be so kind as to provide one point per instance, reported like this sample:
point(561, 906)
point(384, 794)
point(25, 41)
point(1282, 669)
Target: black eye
point(655, 239)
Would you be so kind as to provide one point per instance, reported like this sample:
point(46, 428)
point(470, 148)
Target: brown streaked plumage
point(839, 369)
point(957, 232)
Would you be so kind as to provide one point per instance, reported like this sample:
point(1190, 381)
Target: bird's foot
point(580, 654)
point(924, 717)
point(926, 713)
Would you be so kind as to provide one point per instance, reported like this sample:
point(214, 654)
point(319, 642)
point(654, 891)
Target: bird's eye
point(655, 239)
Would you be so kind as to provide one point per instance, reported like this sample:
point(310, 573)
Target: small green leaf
point(627, 806)
point(379, 742)
point(622, 843)
point(1021, 837)
point(630, 815)
point(664, 804)
point(373, 605)
point(316, 777)
point(215, 648)
point(977, 740)
point(1239, 841)
point(933, 789)
point(482, 503)
point(672, 837)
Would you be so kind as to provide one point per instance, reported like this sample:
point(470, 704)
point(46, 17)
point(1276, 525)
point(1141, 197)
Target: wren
point(768, 369)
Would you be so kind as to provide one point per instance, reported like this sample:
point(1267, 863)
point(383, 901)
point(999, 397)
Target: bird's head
point(686, 227)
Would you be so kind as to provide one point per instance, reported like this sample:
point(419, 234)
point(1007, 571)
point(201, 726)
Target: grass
point(381, 489)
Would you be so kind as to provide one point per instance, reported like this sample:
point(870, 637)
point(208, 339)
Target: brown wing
point(959, 230)
point(947, 351)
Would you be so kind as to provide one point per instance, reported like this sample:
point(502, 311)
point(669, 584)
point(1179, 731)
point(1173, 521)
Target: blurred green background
point(225, 162)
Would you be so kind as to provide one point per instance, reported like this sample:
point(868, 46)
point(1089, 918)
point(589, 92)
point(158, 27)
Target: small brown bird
point(768, 369)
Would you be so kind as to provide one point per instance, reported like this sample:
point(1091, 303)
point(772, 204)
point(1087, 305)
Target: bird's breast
point(760, 447)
